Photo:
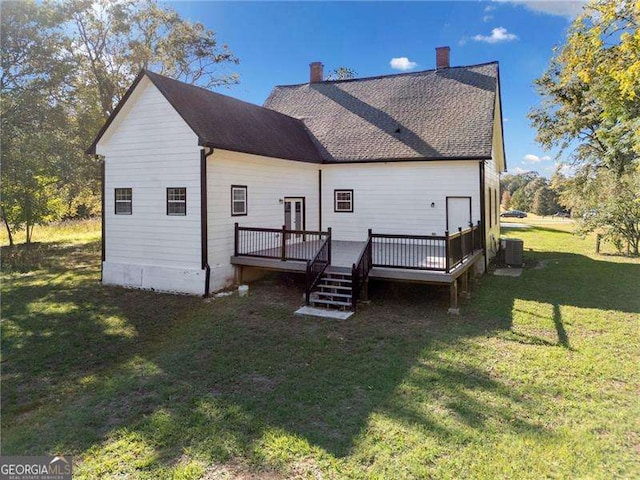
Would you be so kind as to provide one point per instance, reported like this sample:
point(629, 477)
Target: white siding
point(396, 197)
point(148, 148)
point(268, 181)
point(492, 202)
point(493, 168)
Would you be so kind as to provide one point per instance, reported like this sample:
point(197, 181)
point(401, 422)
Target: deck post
point(236, 237)
point(464, 284)
point(329, 253)
point(283, 244)
point(239, 275)
point(453, 292)
point(365, 291)
point(462, 251)
point(446, 250)
point(472, 237)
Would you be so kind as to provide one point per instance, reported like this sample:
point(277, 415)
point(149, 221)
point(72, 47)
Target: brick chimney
point(315, 72)
point(442, 57)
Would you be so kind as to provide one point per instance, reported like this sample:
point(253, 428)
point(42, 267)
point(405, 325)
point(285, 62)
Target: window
point(176, 201)
point(343, 200)
point(123, 201)
point(238, 200)
point(490, 209)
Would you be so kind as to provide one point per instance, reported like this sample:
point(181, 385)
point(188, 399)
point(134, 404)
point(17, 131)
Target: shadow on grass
point(86, 364)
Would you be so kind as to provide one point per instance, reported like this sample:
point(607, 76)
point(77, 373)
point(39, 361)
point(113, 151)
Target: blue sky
point(275, 43)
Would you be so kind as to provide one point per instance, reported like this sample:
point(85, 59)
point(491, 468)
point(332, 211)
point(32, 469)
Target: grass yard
point(538, 377)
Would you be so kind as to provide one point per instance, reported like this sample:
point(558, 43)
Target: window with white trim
point(176, 201)
point(239, 202)
point(123, 199)
point(343, 200)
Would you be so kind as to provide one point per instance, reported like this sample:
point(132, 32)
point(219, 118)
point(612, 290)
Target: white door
point(458, 213)
point(294, 214)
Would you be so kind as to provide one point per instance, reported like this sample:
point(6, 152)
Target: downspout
point(482, 215)
point(103, 245)
point(204, 243)
point(319, 200)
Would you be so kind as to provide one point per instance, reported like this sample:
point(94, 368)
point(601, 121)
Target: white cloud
point(489, 8)
point(529, 157)
point(498, 34)
point(561, 8)
point(569, 9)
point(402, 63)
point(519, 170)
point(487, 18)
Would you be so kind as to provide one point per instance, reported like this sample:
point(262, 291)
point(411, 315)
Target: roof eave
point(410, 159)
point(218, 146)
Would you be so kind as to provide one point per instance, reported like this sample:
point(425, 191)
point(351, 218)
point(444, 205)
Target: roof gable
point(435, 114)
point(449, 113)
point(224, 122)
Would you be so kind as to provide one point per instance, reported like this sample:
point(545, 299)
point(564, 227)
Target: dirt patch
point(239, 471)
point(260, 383)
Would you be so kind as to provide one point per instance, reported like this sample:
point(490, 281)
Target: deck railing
point(414, 252)
point(425, 252)
point(360, 271)
point(317, 265)
point(277, 243)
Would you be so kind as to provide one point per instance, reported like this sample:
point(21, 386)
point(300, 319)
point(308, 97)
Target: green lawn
point(538, 376)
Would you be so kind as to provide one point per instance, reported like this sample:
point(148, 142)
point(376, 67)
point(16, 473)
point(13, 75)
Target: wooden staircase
point(333, 291)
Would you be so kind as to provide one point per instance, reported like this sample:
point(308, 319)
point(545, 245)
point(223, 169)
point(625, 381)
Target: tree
point(65, 65)
point(591, 101)
point(35, 72)
point(114, 40)
point(545, 201)
point(519, 200)
point(342, 73)
point(511, 183)
point(610, 205)
point(506, 200)
point(591, 90)
point(523, 197)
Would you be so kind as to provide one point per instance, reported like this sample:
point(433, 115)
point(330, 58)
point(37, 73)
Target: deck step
point(336, 280)
point(323, 313)
point(331, 294)
point(336, 287)
point(330, 302)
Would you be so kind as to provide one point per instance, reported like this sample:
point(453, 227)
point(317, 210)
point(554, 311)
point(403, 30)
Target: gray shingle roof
point(224, 122)
point(434, 114)
point(230, 124)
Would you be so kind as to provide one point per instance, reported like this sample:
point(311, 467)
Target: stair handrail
point(317, 265)
point(360, 271)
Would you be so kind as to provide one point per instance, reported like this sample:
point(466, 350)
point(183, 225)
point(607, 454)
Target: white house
point(393, 177)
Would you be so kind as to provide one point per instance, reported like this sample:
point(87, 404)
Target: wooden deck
point(344, 254)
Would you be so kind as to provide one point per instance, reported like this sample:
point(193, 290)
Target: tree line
point(64, 67)
point(530, 192)
point(590, 111)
